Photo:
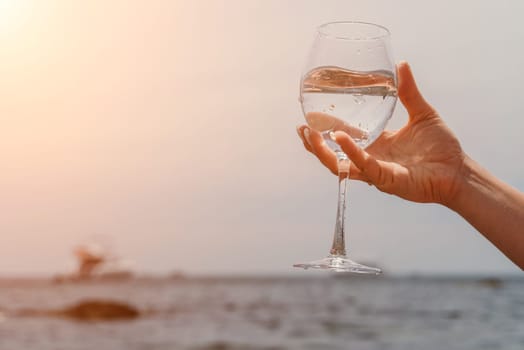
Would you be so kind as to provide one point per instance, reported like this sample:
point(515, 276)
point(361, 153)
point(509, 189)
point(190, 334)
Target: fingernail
point(337, 135)
point(306, 135)
point(405, 64)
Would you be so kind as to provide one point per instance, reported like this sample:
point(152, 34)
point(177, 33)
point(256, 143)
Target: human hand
point(421, 162)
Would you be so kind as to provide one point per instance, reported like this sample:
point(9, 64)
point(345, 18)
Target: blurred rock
point(491, 282)
point(89, 310)
point(98, 310)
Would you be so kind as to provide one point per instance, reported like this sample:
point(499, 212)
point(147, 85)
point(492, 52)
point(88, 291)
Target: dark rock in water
point(230, 306)
point(492, 282)
point(88, 310)
point(100, 310)
point(117, 276)
point(453, 315)
point(220, 345)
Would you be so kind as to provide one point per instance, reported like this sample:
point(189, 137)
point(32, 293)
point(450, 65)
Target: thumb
point(410, 96)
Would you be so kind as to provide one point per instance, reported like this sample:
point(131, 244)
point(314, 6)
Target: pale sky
point(168, 127)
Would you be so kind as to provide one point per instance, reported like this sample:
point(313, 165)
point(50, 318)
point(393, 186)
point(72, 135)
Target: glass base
point(339, 263)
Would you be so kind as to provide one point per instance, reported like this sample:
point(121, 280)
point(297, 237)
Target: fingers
point(410, 96)
point(371, 170)
point(300, 132)
point(321, 149)
point(324, 121)
point(315, 144)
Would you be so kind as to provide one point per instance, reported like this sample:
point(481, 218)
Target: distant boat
point(96, 263)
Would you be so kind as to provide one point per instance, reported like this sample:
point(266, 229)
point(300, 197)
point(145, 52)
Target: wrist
point(462, 182)
point(492, 207)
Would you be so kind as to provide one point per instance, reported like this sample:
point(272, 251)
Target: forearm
point(494, 208)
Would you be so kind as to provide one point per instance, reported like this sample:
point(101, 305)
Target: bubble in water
point(359, 99)
point(331, 107)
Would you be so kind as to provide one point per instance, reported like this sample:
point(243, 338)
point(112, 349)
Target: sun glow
point(12, 15)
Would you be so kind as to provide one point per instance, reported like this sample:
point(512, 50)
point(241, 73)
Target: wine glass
point(349, 84)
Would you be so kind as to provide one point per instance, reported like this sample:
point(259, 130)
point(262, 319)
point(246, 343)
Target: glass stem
point(339, 244)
